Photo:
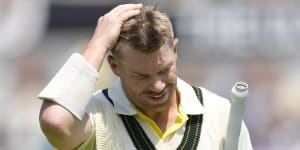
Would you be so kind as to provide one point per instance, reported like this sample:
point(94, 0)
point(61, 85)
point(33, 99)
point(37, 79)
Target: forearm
point(94, 54)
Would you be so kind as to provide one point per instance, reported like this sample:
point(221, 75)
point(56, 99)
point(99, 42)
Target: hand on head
point(109, 26)
point(107, 33)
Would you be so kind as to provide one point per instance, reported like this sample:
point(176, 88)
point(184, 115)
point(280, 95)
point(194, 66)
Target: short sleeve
point(72, 86)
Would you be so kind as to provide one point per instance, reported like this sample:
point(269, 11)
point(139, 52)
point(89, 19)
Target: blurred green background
point(220, 42)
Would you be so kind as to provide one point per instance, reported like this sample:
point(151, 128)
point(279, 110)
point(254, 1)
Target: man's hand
point(107, 32)
point(109, 26)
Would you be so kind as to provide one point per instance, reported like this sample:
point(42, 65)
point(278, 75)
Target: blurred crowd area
point(220, 42)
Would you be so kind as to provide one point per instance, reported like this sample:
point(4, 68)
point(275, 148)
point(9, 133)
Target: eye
point(141, 77)
point(164, 71)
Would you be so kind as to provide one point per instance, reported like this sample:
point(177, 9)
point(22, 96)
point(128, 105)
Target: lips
point(157, 97)
point(160, 97)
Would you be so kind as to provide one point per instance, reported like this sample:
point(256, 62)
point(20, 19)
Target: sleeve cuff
point(72, 86)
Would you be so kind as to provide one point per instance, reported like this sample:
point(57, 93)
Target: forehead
point(136, 61)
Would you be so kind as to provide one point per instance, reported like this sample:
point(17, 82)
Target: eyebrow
point(163, 68)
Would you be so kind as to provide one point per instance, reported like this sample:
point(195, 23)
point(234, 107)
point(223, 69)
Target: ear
point(175, 45)
point(113, 64)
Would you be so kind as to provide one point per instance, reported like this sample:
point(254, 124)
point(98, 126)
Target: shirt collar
point(121, 103)
point(188, 99)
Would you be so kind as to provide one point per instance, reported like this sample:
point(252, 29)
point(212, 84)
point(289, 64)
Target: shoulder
point(214, 101)
point(216, 115)
point(217, 109)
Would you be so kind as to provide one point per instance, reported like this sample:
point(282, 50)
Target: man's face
point(149, 80)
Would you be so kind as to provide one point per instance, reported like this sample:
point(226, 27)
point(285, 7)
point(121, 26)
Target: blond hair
point(146, 32)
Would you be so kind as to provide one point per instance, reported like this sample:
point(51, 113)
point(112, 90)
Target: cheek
point(172, 76)
point(134, 87)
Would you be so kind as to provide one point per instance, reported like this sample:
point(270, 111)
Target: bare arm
point(62, 129)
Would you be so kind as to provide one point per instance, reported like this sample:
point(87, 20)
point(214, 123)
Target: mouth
point(158, 98)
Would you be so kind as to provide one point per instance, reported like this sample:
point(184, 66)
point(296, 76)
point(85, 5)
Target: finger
point(125, 7)
point(128, 14)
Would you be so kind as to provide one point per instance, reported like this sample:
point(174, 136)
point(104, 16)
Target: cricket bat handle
point(239, 94)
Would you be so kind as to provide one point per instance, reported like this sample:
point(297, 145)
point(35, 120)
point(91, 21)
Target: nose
point(157, 84)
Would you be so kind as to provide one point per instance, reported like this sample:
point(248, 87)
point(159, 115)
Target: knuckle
point(118, 7)
point(106, 17)
point(100, 18)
